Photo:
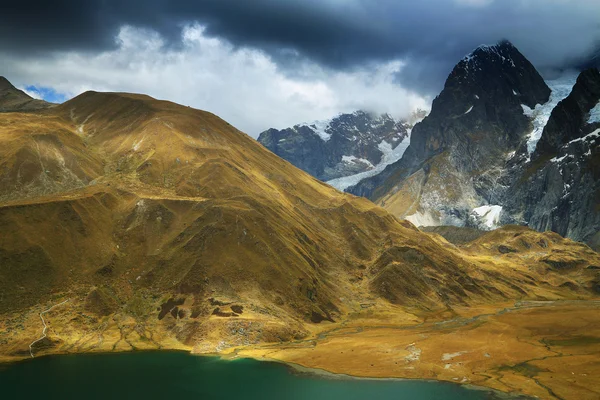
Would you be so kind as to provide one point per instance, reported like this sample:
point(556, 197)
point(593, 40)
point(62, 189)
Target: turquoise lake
point(172, 375)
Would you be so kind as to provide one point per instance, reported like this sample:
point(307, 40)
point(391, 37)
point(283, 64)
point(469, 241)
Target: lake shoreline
point(299, 369)
point(292, 368)
point(479, 348)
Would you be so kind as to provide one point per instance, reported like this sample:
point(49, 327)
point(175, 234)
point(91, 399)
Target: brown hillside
point(164, 226)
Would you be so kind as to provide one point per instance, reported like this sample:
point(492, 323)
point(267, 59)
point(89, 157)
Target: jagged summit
point(495, 49)
point(459, 151)
point(500, 70)
point(353, 125)
point(345, 145)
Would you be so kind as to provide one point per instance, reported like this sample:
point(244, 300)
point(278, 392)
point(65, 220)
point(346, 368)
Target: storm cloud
point(307, 37)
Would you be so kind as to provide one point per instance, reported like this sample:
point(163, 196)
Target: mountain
point(13, 99)
point(133, 223)
point(113, 196)
point(559, 189)
point(345, 145)
point(518, 154)
point(458, 155)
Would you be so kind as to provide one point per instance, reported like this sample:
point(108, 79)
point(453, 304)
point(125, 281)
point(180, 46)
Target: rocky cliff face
point(458, 155)
point(345, 145)
point(559, 189)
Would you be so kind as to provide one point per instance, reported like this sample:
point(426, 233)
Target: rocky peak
point(571, 114)
point(497, 73)
point(477, 117)
point(344, 145)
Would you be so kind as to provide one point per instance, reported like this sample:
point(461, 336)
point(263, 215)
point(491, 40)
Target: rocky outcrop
point(345, 145)
point(458, 155)
point(559, 189)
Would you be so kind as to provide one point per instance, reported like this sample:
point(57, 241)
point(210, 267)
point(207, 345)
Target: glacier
point(390, 156)
point(561, 87)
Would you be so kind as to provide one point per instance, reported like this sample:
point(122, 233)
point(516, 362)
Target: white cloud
point(32, 93)
point(243, 86)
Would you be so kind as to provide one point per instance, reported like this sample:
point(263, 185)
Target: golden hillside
point(163, 226)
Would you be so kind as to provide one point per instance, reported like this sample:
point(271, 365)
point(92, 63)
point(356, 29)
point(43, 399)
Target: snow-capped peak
point(320, 128)
point(496, 51)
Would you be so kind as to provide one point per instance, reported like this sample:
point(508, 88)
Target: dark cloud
point(430, 34)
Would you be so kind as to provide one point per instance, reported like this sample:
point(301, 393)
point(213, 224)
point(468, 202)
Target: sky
point(274, 63)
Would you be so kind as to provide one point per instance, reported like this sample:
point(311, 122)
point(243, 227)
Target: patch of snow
point(594, 134)
point(281, 140)
point(561, 88)
point(468, 111)
point(515, 93)
point(527, 111)
point(353, 159)
point(320, 128)
point(477, 97)
point(594, 114)
point(489, 215)
point(559, 160)
point(390, 156)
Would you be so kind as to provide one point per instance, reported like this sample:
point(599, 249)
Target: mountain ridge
point(344, 145)
point(13, 99)
point(559, 189)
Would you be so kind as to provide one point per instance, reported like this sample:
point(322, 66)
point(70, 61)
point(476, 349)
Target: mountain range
point(130, 223)
point(345, 145)
point(500, 146)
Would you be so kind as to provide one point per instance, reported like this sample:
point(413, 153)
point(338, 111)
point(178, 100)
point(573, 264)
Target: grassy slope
point(166, 227)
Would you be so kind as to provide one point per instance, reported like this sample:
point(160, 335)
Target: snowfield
point(488, 216)
point(390, 156)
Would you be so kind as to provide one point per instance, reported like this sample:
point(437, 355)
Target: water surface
point(172, 375)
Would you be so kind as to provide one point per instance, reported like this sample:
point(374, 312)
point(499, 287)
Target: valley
point(129, 223)
point(300, 200)
point(532, 348)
